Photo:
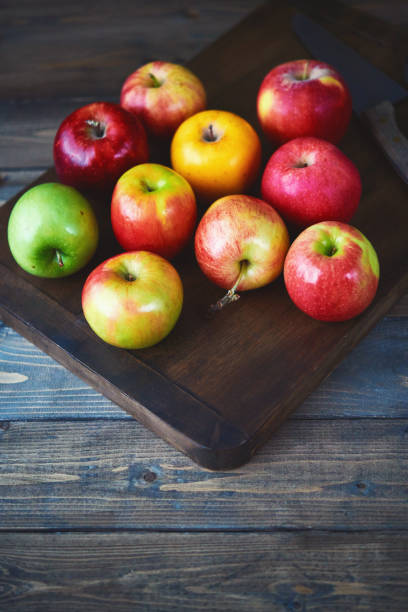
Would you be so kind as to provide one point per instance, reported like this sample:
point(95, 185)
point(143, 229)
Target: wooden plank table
point(96, 512)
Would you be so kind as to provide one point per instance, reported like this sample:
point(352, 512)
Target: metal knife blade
point(373, 92)
point(368, 85)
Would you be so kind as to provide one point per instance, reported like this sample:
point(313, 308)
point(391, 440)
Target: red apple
point(309, 180)
point(331, 271)
point(163, 95)
point(304, 98)
point(133, 300)
point(96, 144)
point(153, 209)
point(240, 244)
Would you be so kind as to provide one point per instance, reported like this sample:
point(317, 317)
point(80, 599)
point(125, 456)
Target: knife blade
point(373, 92)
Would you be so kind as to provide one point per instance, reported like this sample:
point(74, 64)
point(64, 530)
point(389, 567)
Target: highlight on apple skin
point(162, 95)
point(331, 271)
point(240, 244)
point(133, 300)
point(304, 98)
point(309, 180)
point(96, 144)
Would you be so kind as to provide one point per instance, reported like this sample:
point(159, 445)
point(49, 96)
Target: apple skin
point(163, 95)
point(153, 209)
point(304, 98)
point(96, 144)
point(133, 300)
point(218, 152)
point(309, 180)
point(331, 271)
point(52, 231)
point(239, 229)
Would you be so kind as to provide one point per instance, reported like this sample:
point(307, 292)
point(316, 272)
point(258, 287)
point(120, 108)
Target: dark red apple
point(96, 144)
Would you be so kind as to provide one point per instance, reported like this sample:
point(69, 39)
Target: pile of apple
point(133, 300)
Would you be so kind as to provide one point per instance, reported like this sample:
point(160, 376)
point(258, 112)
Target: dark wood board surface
point(217, 388)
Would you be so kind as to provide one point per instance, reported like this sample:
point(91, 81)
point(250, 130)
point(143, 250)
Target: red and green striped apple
point(163, 95)
point(240, 244)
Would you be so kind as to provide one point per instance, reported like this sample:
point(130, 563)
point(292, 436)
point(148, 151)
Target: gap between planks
point(201, 530)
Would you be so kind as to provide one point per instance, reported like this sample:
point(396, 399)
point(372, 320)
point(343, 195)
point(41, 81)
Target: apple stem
point(59, 259)
point(98, 129)
point(305, 71)
point(155, 80)
point(209, 135)
point(231, 295)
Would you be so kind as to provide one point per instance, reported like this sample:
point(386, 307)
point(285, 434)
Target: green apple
point(52, 231)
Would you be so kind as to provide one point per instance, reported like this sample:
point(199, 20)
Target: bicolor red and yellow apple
point(133, 300)
point(218, 152)
point(331, 271)
point(304, 98)
point(154, 209)
point(309, 180)
point(163, 95)
point(96, 144)
point(241, 243)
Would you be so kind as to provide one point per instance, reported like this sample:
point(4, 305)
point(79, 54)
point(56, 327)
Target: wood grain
point(361, 386)
point(350, 475)
point(110, 42)
point(283, 572)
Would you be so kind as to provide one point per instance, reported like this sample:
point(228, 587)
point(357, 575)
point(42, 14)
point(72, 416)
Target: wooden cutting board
point(217, 387)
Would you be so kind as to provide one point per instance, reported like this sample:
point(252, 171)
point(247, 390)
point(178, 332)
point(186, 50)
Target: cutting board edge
point(216, 444)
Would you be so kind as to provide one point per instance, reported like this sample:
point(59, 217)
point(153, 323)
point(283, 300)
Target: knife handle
point(382, 122)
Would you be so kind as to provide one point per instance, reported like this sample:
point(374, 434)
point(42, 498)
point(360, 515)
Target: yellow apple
point(218, 152)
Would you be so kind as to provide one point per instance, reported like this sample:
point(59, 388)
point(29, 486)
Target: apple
point(331, 271)
point(240, 244)
point(96, 144)
point(163, 95)
point(153, 209)
point(304, 98)
point(52, 231)
point(218, 152)
point(309, 180)
point(133, 300)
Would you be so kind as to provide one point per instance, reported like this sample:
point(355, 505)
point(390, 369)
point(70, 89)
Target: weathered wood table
point(98, 513)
